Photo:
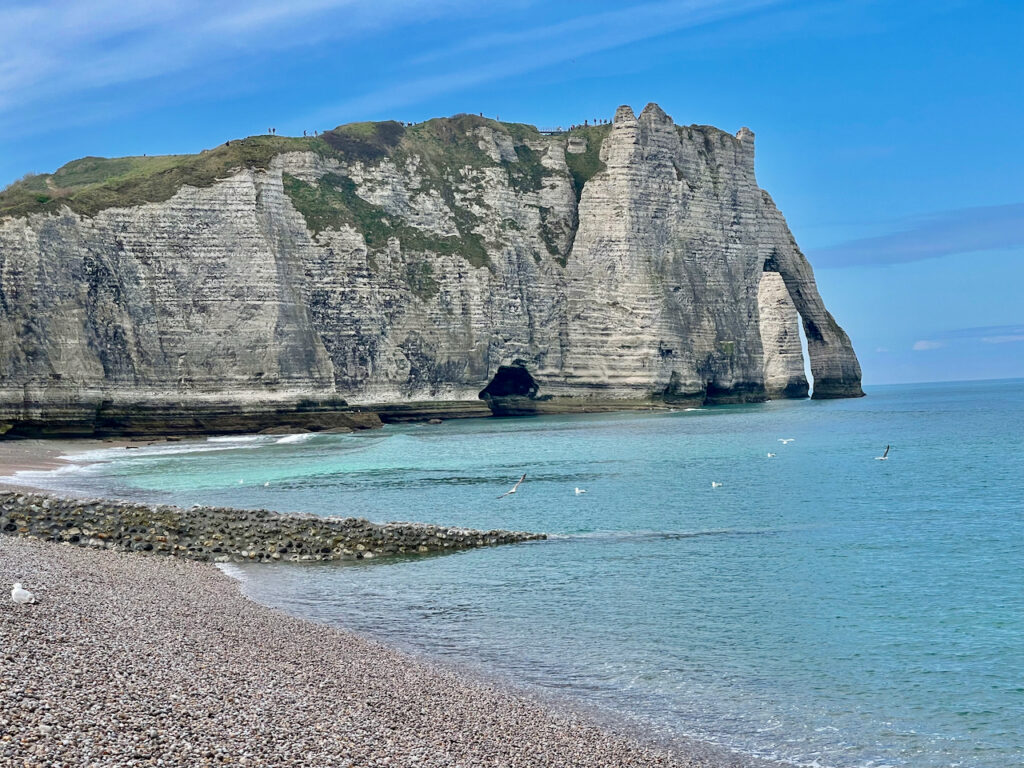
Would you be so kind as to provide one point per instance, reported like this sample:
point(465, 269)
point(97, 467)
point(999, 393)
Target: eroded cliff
point(397, 269)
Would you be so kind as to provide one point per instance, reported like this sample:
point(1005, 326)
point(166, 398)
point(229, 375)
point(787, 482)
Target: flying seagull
point(580, 490)
point(21, 596)
point(786, 440)
point(514, 488)
point(884, 456)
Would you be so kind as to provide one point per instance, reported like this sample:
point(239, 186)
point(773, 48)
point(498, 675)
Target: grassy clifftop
point(92, 184)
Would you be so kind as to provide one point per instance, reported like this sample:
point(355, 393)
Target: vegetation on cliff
point(92, 184)
point(332, 203)
point(446, 153)
point(585, 165)
point(442, 145)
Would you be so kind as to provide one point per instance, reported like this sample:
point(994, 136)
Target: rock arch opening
point(781, 341)
point(788, 301)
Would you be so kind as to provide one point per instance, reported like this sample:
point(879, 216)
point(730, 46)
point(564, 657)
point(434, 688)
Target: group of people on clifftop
point(559, 129)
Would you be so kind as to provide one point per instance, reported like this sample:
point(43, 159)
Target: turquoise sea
point(820, 606)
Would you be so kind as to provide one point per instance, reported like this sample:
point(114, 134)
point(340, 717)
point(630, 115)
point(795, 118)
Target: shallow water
point(820, 606)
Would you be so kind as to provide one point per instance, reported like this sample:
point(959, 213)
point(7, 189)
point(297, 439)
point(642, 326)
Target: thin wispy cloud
point(949, 233)
point(53, 52)
point(49, 48)
point(985, 334)
point(515, 53)
point(993, 334)
point(981, 331)
point(629, 24)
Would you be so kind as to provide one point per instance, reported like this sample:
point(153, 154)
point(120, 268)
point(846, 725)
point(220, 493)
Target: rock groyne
point(223, 534)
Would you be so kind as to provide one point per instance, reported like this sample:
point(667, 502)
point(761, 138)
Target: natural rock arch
point(834, 365)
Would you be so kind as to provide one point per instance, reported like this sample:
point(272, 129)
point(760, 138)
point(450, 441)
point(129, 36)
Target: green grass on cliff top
point(92, 184)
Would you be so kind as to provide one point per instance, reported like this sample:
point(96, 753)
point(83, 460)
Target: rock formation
point(397, 269)
point(223, 534)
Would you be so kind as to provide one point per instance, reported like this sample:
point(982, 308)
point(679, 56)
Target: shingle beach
point(144, 660)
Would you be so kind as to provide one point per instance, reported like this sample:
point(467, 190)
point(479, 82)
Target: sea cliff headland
point(389, 271)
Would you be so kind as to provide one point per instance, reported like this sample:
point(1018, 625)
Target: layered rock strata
point(223, 535)
point(396, 269)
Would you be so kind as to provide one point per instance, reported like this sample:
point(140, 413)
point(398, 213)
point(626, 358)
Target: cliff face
point(613, 266)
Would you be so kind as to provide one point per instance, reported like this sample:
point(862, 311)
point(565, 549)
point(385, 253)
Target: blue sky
point(887, 132)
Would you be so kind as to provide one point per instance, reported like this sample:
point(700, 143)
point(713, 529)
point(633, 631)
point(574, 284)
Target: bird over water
point(514, 487)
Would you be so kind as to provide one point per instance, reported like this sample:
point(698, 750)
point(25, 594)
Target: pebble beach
point(130, 659)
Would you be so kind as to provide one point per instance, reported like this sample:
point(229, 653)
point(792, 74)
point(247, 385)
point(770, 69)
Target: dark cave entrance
point(511, 381)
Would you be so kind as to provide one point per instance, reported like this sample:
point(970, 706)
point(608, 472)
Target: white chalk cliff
point(398, 269)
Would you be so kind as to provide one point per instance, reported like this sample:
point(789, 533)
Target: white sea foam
point(301, 437)
point(122, 453)
point(625, 535)
point(47, 478)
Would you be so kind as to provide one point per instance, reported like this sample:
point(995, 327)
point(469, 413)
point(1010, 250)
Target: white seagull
point(514, 487)
point(771, 455)
point(21, 596)
point(884, 456)
point(580, 490)
point(786, 440)
point(715, 485)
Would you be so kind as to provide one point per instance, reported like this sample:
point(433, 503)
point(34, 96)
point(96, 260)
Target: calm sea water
point(819, 606)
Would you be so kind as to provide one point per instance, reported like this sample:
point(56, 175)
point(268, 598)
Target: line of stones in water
point(224, 534)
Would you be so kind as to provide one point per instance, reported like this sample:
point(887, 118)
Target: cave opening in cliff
point(511, 381)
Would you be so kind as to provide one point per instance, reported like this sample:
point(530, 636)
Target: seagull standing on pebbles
point(514, 488)
point(21, 596)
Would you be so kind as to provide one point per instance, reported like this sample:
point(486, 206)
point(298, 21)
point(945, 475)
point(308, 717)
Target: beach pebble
point(139, 660)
